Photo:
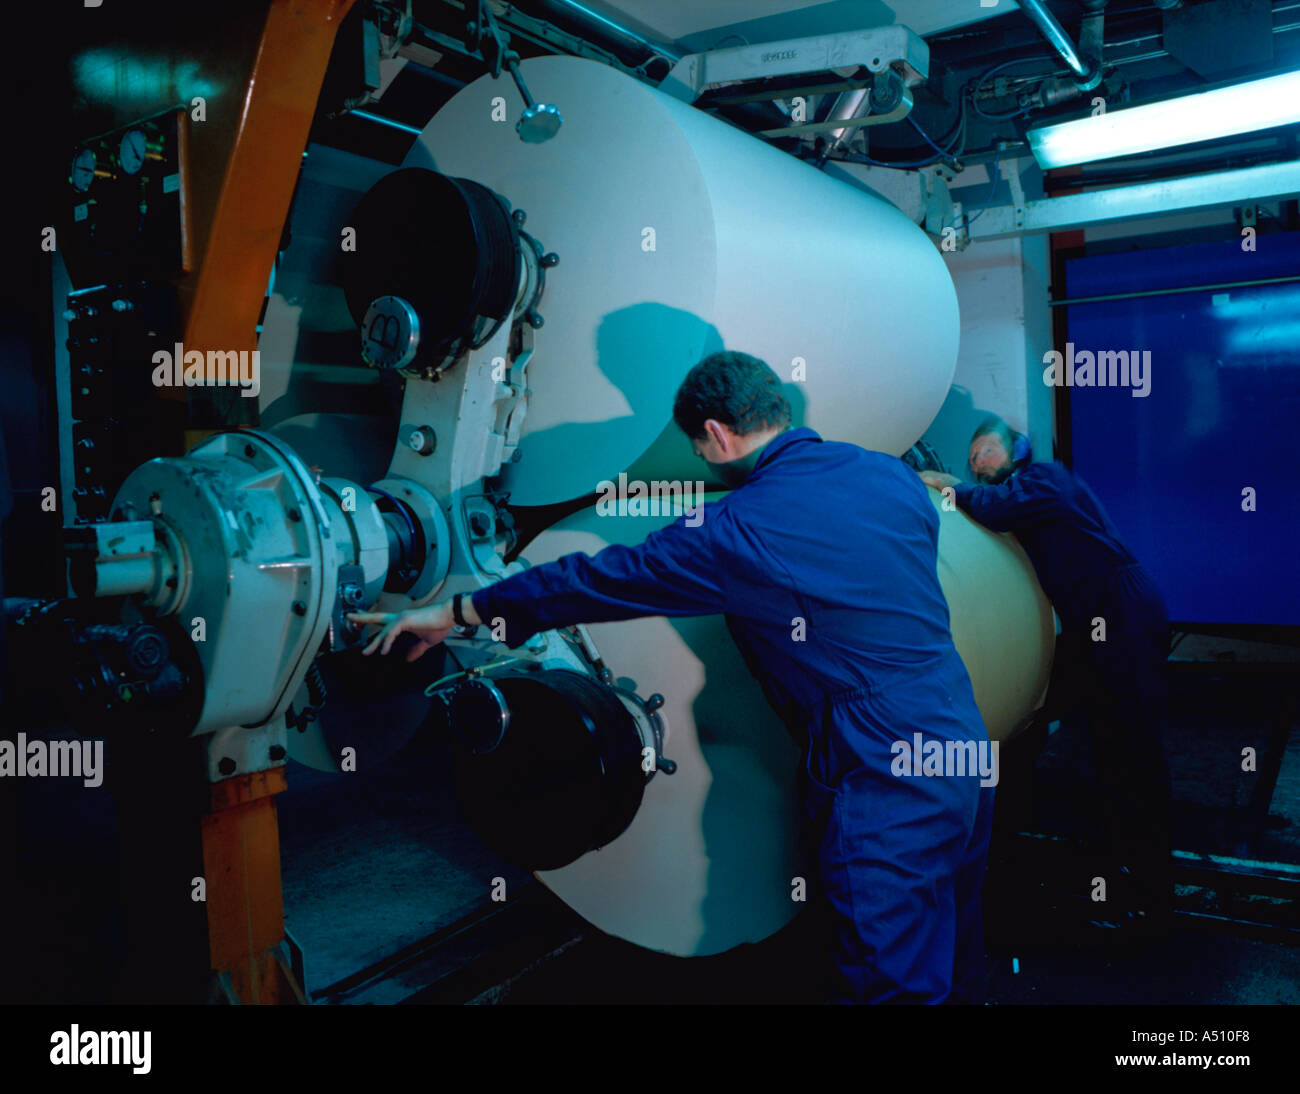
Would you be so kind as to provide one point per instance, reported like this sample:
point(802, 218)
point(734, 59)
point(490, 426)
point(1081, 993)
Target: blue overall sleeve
point(673, 572)
point(1029, 496)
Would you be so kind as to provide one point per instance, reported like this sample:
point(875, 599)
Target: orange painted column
point(241, 867)
point(275, 120)
point(241, 841)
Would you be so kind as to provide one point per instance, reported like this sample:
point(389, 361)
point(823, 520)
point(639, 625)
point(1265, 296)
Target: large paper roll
point(679, 235)
point(709, 860)
point(1001, 622)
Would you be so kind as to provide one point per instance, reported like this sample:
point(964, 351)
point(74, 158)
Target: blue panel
point(1222, 415)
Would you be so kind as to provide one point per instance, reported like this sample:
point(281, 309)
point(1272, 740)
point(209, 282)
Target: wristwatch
point(457, 614)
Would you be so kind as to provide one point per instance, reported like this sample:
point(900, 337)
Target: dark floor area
point(1187, 967)
point(390, 845)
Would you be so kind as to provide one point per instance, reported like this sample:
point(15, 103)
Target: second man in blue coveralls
point(1113, 645)
point(843, 541)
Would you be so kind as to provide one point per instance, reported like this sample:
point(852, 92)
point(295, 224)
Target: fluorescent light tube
point(1221, 112)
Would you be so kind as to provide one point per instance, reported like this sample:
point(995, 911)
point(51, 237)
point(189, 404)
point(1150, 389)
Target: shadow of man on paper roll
point(642, 353)
point(645, 351)
point(751, 814)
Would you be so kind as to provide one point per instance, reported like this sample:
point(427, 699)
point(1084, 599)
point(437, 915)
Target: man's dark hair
point(995, 425)
point(737, 390)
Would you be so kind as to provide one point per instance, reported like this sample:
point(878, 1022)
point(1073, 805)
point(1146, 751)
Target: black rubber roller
point(546, 765)
point(446, 246)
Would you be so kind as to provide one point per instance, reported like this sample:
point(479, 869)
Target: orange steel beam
point(245, 904)
point(275, 119)
point(241, 839)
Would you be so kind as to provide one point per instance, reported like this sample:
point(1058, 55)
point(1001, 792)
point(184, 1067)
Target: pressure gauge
point(132, 151)
point(82, 173)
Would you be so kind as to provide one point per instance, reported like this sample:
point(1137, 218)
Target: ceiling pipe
point(1087, 70)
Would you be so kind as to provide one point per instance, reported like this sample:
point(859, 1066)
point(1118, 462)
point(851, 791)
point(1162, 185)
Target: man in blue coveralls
point(843, 540)
point(1113, 644)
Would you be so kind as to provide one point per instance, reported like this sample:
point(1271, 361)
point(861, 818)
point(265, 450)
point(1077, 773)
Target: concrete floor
point(375, 861)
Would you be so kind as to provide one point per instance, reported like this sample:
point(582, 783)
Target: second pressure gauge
point(132, 151)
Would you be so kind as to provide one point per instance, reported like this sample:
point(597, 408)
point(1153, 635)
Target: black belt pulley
point(435, 268)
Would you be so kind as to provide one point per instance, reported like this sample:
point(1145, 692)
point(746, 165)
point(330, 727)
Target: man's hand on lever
point(938, 479)
point(428, 625)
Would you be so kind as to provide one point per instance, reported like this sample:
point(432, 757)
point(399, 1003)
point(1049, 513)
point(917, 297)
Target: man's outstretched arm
point(1028, 496)
point(673, 572)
